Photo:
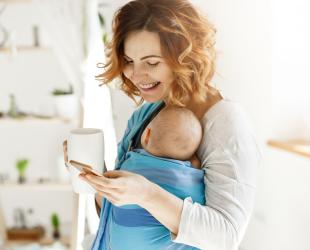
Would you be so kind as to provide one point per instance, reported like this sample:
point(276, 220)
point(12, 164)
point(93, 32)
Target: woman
point(163, 51)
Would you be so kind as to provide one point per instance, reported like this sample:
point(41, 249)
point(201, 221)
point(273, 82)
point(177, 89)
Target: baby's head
point(174, 133)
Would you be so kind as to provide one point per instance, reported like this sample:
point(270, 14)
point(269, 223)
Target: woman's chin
point(152, 98)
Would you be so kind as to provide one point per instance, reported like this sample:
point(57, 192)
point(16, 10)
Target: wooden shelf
point(45, 241)
point(300, 147)
point(50, 186)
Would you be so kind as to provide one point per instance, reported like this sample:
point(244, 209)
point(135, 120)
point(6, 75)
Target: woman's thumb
point(112, 174)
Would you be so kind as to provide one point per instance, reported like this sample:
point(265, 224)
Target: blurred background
point(49, 50)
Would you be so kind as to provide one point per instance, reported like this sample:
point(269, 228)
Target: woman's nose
point(138, 74)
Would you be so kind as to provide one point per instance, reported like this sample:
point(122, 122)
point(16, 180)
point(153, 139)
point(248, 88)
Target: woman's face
point(146, 67)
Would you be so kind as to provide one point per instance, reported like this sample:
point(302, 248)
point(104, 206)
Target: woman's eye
point(153, 64)
point(127, 62)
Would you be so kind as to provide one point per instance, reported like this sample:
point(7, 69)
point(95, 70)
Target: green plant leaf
point(101, 20)
point(58, 91)
point(55, 220)
point(105, 38)
point(21, 165)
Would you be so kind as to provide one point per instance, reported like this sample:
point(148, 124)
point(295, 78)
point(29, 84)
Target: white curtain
point(74, 32)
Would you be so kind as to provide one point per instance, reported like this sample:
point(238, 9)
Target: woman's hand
point(65, 149)
point(124, 188)
point(121, 187)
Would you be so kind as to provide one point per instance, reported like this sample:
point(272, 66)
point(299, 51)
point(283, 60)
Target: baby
point(174, 133)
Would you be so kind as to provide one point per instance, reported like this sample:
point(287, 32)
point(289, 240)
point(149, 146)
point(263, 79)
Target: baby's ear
point(147, 136)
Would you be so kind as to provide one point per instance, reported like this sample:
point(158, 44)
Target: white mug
point(85, 145)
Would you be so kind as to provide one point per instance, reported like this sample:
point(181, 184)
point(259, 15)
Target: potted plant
point(55, 224)
point(21, 166)
point(66, 102)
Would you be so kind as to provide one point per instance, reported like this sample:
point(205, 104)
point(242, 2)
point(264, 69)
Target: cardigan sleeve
point(230, 156)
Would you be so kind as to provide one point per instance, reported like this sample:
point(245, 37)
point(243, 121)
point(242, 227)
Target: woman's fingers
point(65, 148)
point(108, 192)
point(101, 181)
point(113, 174)
point(90, 182)
point(120, 187)
point(110, 197)
point(111, 179)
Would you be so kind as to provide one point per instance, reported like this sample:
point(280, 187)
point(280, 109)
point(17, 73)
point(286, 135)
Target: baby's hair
point(176, 133)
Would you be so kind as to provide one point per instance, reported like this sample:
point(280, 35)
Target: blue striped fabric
point(131, 226)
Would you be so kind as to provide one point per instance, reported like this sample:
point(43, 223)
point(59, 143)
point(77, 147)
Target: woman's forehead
point(140, 44)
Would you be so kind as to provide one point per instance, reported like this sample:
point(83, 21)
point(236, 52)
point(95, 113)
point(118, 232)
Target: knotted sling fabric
point(131, 226)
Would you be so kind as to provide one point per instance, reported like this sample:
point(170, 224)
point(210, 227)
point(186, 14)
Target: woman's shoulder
point(229, 137)
point(225, 112)
point(227, 121)
point(223, 106)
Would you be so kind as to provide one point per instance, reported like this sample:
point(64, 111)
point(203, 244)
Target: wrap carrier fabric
point(131, 227)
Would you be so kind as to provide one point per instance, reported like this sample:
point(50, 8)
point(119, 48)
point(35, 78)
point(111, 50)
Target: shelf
point(50, 186)
point(300, 147)
point(24, 48)
point(30, 119)
point(45, 241)
point(15, 1)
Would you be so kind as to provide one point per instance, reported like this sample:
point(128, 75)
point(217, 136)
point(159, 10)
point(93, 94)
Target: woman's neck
point(199, 108)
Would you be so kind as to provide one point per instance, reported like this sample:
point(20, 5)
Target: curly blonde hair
point(187, 43)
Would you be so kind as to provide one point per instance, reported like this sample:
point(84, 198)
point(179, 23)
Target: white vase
point(67, 106)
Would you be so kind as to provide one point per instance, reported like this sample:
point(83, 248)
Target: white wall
point(31, 76)
point(291, 52)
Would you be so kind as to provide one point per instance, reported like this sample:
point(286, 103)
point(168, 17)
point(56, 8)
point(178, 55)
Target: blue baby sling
point(131, 227)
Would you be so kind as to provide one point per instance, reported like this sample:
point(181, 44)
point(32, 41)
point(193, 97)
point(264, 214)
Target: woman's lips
point(149, 86)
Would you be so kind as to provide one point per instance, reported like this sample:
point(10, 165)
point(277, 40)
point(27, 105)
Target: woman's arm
point(164, 206)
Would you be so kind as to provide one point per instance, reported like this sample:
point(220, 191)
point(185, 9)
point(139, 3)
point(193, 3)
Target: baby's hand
point(195, 162)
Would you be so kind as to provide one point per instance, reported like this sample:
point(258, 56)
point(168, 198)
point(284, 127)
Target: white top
point(229, 156)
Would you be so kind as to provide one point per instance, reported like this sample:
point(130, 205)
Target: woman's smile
point(149, 86)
